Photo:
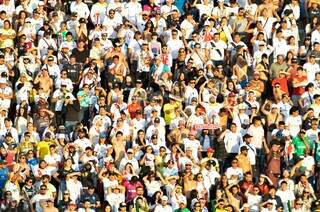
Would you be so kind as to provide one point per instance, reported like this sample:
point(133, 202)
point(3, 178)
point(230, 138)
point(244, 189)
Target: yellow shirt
point(44, 148)
point(169, 112)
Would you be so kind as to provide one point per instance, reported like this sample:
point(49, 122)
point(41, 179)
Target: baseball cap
point(157, 120)
point(210, 150)
point(243, 148)
point(50, 58)
point(102, 135)
point(247, 136)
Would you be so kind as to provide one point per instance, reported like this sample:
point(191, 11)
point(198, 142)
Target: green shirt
point(86, 99)
point(299, 146)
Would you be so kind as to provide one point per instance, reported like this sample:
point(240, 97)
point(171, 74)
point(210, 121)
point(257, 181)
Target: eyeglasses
point(200, 177)
point(277, 86)
point(65, 194)
point(111, 13)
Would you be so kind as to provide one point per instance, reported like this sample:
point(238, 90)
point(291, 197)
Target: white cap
point(61, 135)
point(274, 106)
point(40, 3)
point(242, 106)
point(207, 23)
point(64, 45)
point(165, 198)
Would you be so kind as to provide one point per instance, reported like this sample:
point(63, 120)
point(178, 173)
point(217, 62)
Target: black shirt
point(81, 56)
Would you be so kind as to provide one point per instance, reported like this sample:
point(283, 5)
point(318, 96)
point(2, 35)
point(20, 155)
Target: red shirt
point(301, 89)
point(133, 108)
point(283, 82)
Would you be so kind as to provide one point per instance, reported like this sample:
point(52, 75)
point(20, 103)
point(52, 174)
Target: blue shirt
point(3, 177)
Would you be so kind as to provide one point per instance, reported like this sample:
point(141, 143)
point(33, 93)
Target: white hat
point(242, 106)
point(61, 135)
point(165, 198)
point(40, 3)
point(274, 106)
point(207, 23)
point(64, 45)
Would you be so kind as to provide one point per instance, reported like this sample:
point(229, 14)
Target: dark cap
point(243, 148)
point(82, 20)
point(157, 120)
point(154, 136)
point(247, 136)
point(47, 135)
point(312, 55)
point(122, 204)
point(302, 131)
point(50, 48)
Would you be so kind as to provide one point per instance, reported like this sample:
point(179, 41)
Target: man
point(49, 207)
point(234, 170)
point(276, 67)
point(80, 8)
point(216, 50)
point(301, 144)
point(243, 159)
point(97, 13)
point(41, 196)
point(169, 109)
point(232, 141)
point(92, 197)
point(129, 159)
point(311, 68)
point(286, 195)
point(164, 206)
point(43, 147)
point(62, 98)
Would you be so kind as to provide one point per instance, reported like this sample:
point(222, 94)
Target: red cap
point(210, 150)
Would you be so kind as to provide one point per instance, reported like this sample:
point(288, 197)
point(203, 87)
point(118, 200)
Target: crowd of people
point(160, 105)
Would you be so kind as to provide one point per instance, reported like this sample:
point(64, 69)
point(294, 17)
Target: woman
point(10, 56)
point(148, 30)
point(128, 171)
point(140, 141)
point(292, 45)
point(305, 50)
point(152, 183)
point(230, 88)
point(41, 169)
point(289, 57)
point(177, 196)
point(201, 187)
point(114, 93)
point(148, 160)
point(312, 25)
point(23, 167)
point(62, 175)
point(294, 121)
point(20, 20)
point(179, 87)
point(21, 121)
